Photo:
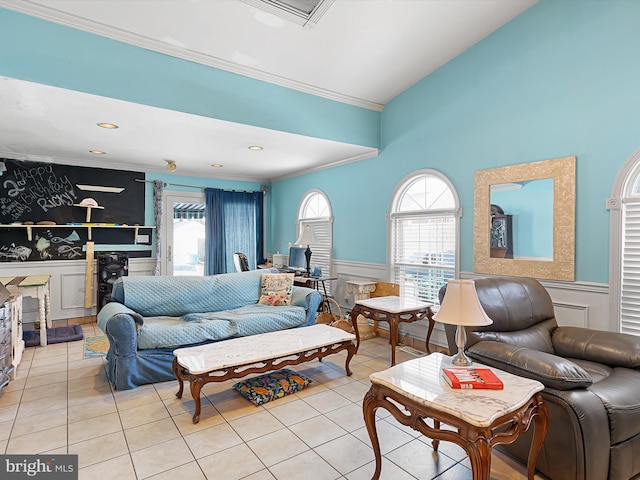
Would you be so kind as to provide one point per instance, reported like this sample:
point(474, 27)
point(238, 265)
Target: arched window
point(624, 258)
point(315, 211)
point(424, 234)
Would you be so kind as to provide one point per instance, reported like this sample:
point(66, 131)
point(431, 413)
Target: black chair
point(241, 262)
point(591, 378)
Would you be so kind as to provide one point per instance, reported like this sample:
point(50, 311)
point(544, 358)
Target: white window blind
point(423, 253)
point(424, 229)
point(315, 211)
point(321, 251)
point(630, 298)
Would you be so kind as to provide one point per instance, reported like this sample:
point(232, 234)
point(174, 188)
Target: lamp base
point(460, 359)
point(307, 254)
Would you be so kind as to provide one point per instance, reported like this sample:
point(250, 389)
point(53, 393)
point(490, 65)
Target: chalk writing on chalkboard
point(38, 191)
point(36, 188)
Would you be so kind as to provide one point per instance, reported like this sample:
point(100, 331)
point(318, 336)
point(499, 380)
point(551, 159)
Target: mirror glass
point(524, 220)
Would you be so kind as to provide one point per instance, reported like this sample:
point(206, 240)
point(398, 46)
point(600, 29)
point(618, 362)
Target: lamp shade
point(461, 306)
point(307, 236)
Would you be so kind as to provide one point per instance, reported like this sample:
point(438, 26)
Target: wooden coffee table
point(416, 395)
point(394, 310)
point(238, 357)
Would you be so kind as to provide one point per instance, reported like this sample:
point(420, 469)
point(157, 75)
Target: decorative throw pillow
point(276, 289)
point(271, 386)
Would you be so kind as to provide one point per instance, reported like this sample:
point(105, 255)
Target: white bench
point(238, 357)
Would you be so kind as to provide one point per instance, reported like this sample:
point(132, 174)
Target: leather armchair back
point(521, 310)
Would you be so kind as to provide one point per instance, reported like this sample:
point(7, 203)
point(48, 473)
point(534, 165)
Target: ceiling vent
point(301, 12)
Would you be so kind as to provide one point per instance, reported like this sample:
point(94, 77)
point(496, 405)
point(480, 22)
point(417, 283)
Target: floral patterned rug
point(96, 346)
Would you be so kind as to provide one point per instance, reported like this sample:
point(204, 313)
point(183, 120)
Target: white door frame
point(169, 198)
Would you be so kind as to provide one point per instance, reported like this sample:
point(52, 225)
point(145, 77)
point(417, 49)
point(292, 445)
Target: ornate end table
point(393, 310)
point(480, 418)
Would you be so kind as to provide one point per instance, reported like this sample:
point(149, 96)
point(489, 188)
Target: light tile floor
point(62, 403)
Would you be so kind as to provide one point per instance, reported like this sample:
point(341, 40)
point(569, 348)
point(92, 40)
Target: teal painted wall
point(559, 80)
point(39, 51)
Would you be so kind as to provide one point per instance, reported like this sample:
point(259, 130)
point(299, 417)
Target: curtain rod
point(200, 188)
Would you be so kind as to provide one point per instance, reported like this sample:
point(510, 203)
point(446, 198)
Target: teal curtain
point(235, 223)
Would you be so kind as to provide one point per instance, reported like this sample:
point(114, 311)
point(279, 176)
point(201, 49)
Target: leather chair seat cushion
point(595, 370)
point(620, 395)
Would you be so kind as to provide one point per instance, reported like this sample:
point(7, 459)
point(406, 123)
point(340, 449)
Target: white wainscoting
point(67, 285)
point(580, 304)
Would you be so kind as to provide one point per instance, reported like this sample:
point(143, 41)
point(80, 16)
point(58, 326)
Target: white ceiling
point(361, 52)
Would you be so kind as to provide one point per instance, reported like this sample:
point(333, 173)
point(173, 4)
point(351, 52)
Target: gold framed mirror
point(559, 262)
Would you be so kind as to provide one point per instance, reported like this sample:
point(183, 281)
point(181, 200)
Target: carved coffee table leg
point(436, 442)
point(351, 351)
point(176, 371)
point(354, 323)
point(479, 452)
point(369, 406)
point(196, 383)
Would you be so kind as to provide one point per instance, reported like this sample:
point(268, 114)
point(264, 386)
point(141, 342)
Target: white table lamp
point(307, 237)
point(462, 308)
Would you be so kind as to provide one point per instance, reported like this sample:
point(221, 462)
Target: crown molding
point(52, 15)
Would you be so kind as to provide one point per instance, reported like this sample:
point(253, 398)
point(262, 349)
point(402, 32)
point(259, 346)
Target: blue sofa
point(153, 315)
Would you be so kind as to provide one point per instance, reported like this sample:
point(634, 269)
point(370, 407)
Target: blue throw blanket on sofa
point(151, 316)
point(174, 311)
point(159, 332)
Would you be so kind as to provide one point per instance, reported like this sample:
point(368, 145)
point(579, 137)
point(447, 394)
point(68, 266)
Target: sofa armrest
point(309, 299)
point(551, 370)
point(120, 324)
point(115, 308)
point(609, 348)
point(299, 296)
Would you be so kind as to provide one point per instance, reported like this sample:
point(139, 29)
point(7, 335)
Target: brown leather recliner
point(592, 380)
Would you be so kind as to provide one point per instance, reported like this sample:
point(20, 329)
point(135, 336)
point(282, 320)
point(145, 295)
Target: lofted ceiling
point(360, 52)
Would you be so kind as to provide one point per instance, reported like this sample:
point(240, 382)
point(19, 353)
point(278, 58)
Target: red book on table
point(472, 377)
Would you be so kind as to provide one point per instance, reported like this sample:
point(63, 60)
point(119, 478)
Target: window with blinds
point(315, 211)
point(424, 226)
point(630, 294)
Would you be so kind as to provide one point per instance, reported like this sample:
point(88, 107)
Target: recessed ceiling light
point(217, 165)
point(255, 147)
point(97, 152)
point(110, 126)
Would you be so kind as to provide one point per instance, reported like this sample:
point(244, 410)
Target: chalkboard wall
point(37, 192)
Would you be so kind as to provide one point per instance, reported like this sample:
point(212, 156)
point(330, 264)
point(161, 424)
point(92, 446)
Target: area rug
point(54, 335)
point(271, 386)
point(96, 346)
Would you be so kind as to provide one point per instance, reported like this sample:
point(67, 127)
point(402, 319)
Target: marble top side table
point(394, 310)
point(416, 395)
